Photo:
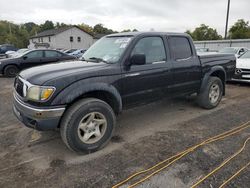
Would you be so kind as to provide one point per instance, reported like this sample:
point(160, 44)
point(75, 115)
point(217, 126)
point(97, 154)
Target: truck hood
point(243, 63)
point(41, 74)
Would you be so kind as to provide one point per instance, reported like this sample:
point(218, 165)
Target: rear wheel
point(11, 71)
point(211, 96)
point(87, 125)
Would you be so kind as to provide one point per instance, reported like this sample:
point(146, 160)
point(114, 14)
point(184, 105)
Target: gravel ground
point(29, 158)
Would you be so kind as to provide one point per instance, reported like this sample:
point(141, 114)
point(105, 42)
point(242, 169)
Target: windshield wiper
point(98, 60)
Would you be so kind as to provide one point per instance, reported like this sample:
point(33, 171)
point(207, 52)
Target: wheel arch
point(12, 64)
point(102, 91)
point(216, 71)
point(8, 65)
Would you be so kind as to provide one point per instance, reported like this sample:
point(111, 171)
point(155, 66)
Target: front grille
point(19, 87)
point(246, 70)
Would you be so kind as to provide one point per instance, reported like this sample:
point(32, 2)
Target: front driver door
point(146, 82)
point(31, 59)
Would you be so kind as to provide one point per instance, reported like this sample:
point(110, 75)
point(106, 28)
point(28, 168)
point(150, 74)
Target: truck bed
point(228, 61)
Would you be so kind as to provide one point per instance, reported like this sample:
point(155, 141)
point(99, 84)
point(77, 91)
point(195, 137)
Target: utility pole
point(10, 29)
point(228, 7)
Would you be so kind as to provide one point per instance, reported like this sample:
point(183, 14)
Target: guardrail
point(218, 44)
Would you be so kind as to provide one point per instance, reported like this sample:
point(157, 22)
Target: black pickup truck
point(83, 98)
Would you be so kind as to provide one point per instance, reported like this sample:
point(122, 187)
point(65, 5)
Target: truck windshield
point(107, 49)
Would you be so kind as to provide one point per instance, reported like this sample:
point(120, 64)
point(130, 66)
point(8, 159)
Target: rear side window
point(180, 47)
point(52, 54)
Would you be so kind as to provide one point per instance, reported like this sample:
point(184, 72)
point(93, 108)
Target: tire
point(11, 71)
point(208, 100)
point(77, 123)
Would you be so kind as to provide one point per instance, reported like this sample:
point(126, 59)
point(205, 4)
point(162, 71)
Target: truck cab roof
point(146, 34)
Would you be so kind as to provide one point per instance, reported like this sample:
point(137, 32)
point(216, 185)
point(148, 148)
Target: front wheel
point(87, 125)
point(11, 71)
point(211, 96)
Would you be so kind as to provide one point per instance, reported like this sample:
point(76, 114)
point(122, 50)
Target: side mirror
point(138, 59)
point(25, 57)
point(241, 52)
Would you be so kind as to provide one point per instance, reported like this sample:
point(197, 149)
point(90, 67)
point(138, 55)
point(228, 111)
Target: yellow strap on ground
point(222, 164)
point(182, 154)
point(233, 176)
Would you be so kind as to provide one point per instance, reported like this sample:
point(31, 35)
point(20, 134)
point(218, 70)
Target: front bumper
point(240, 80)
point(242, 76)
point(38, 118)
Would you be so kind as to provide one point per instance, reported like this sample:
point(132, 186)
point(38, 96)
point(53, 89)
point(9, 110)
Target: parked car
point(6, 47)
point(11, 66)
point(9, 53)
point(69, 51)
point(202, 50)
point(237, 51)
point(78, 53)
point(83, 98)
point(242, 72)
point(16, 53)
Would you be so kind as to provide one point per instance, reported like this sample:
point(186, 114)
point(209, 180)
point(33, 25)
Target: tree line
point(240, 30)
point(19, 34)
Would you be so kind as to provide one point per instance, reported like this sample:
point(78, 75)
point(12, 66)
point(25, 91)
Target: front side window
point(180, 48)
point(108, 49)
point(51, 54)
point(35, 54)
point(152, 48)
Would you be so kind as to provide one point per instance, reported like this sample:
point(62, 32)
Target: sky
point(159, 15)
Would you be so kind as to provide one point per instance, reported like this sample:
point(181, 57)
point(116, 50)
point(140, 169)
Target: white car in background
point(78, 53)
point(10, 54)
point(237, 51)
point(242, 72)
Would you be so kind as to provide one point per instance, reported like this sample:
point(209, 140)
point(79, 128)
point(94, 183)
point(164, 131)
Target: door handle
point(132, 74)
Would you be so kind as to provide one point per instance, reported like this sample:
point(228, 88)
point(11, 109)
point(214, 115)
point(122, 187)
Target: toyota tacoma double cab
point(83, 98)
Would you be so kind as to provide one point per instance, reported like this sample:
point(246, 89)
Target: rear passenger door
point(51, 56)
point(186, 66)
point(146, 82)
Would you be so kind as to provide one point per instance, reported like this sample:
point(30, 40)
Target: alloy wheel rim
point(92, 127)
point(214, 93)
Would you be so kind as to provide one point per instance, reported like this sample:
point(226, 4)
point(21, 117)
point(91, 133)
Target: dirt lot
point(144, 136)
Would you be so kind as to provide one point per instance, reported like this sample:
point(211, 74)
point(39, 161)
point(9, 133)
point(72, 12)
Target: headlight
point(37, 93)
point(0, 62)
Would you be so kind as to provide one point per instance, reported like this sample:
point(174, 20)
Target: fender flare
point(209, 73)
point(77, 89)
